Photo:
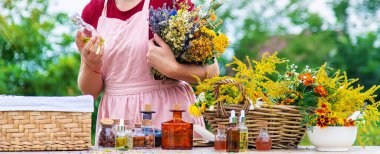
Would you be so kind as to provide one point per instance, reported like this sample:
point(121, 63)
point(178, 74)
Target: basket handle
point(221, 110)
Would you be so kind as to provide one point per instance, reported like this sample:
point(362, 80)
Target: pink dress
point(126, 74)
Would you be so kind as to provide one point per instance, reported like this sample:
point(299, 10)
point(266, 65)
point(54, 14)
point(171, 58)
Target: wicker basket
point(31, 130)
point(283, 120)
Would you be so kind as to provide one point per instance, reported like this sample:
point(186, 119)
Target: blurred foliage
point(36, 60)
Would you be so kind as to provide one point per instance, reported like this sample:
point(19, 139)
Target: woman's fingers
point(95, 48)
point(160, 41)
point(101, 51)
point(151, 43)
point(89, 45)
point(79, 40)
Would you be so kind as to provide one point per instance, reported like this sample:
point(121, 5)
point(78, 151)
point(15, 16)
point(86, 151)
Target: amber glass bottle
point(233, 134)
point(263, 141)
point(176, 133)
point(220, 139)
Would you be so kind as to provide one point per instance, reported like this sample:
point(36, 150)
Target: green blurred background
point(37, 59)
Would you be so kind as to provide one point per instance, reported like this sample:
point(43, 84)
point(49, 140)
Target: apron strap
point(104, 12)
point(146, 5)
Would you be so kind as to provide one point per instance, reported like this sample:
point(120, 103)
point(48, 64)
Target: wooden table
point(300, 150)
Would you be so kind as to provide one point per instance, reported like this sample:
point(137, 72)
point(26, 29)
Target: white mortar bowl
point(333, 138)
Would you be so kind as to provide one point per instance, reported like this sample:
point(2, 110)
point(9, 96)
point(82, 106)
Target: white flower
point(251, 107)
point(201, 97)
point(212, 107)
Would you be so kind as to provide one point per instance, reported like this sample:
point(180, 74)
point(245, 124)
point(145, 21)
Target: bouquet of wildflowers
point(191, 34)
point(329, 98)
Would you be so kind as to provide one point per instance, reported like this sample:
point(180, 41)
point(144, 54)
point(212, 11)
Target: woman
point(122, 66)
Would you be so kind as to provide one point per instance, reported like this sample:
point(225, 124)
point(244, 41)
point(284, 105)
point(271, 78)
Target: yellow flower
point(194, 111)
point(200, 50)
point(213, 17)
point(220, 42)
point(203, 107)
point(207, 31)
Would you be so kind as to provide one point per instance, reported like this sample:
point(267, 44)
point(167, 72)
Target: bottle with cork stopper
point(138, 137)
point(263, 141)
point(220, 139)
point(147, 126)
point(177, 134)
point(106, 134)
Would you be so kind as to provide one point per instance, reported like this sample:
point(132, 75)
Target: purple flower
point(173, 13)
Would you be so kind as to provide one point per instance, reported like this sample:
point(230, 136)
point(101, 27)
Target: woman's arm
point(162, 58)
point(186, 72)
point(90, 79)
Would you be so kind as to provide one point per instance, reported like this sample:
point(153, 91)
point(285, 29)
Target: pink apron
point(126, 74)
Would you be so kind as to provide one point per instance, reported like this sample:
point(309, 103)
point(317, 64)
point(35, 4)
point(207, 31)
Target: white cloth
point(60, 104)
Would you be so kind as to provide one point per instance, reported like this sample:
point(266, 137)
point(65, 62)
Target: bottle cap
point(263, 123)
point(177, 108)
point(147, 113)
point(148, 107)
point(117, 121)
point(121, 122)
point(76, 18)
point(242, 116)
point(137, 125)
point(221, 127)
point(106, 121)
point(233, 117)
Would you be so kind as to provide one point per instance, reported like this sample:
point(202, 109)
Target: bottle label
point(243, 140)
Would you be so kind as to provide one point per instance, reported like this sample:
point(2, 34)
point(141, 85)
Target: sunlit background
point(38, 56)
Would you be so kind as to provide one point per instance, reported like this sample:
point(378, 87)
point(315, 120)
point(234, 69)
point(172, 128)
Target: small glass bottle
point(233, 134)
point(147, 127)
point(220, 139)
point(121, 137)
point(263, 141)
point(157, 138)
point(243, 132)
point(128, 133)
point(106, 134)
point(177, 134)
point(138, 137)
point(84, 27)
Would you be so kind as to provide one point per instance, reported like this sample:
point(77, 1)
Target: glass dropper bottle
point(88, 30)
point(243, 132)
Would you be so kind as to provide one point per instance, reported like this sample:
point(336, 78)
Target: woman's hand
point(89, 51)
point(90, 80)
point(161, 57)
